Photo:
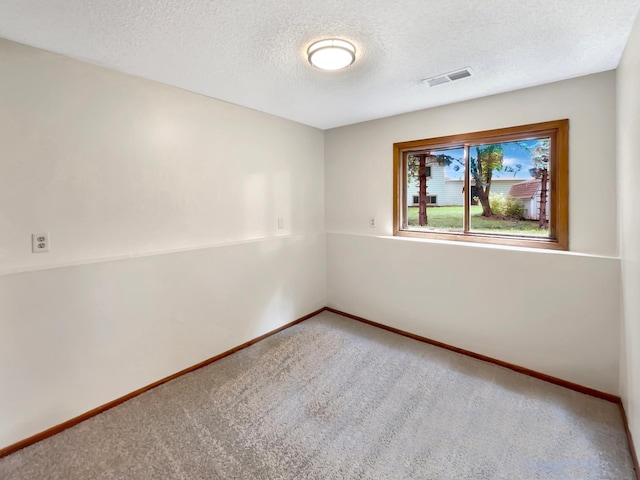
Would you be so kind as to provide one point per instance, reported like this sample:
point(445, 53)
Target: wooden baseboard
point(532, 373)
point(91, 413)
point(548, 378)
point(632, 448)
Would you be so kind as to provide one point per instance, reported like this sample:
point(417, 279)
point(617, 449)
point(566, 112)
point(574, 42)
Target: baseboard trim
point(91, 413)
point(541, 376)
point(634, 456)
point(532, 373)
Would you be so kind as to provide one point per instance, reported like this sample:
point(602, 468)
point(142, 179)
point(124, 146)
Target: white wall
point(122, 172)
point(112, 165)
point(478, 303)
point(629, 173)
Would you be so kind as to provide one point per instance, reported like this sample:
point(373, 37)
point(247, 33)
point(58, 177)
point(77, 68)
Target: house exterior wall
point(435, 186)
point(453, 193)
point(532, 205)
point(453, 190)
point(531, 208)
point(503, 186)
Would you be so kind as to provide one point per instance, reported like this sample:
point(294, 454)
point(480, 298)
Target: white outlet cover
point(40, 242)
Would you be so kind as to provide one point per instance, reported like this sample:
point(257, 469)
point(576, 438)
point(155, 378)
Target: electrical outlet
point(372, 222)
point(40, 242)
point(280, 223)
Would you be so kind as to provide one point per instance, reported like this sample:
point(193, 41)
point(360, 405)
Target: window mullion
point(551, 207)
point(403, 204)
point(467, 189)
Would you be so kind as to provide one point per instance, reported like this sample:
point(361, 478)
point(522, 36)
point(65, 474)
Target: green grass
point(451, 218)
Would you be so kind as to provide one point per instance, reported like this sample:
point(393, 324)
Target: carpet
point(332, 398)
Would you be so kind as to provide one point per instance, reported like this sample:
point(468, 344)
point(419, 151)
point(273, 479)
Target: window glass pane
point(437, 178)
point(510, 188)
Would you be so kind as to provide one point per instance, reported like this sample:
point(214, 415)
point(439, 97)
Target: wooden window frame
point(557, 131)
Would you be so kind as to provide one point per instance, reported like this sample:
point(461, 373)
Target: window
point(506, 186)
point(430, 199)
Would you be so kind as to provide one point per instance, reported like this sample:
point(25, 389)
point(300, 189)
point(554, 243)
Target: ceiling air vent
point(448, 77)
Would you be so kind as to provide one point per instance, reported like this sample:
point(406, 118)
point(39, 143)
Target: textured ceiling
point(252, 53)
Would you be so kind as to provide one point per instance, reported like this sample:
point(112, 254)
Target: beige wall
point(112, 165)
point(480, 297)
point(629, 173)
point(162, 207)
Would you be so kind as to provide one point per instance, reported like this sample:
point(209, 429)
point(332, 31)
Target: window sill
point(482, 238)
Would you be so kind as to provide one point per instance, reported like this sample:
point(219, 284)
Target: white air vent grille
point(438, 80)
point(448, 77)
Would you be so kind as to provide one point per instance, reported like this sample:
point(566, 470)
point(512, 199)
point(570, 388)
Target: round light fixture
point(331, 54)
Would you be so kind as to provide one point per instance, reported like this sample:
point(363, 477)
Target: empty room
point(319, 240)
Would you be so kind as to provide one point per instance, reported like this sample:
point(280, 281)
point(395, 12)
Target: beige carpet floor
point(332, 398)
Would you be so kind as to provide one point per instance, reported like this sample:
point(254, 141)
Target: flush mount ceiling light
point(331, 54)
